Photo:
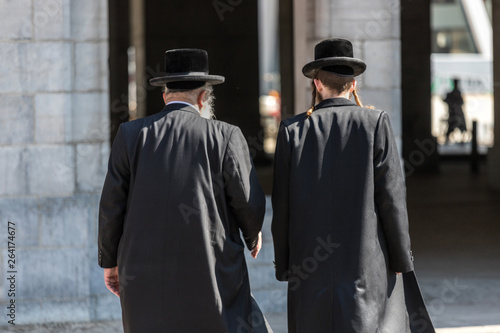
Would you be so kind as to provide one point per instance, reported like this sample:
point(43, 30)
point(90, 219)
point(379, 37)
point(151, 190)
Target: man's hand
point(257, 247)
point(111, 280)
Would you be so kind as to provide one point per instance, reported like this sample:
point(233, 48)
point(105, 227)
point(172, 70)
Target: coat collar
point(180, 107)
point(337, 101)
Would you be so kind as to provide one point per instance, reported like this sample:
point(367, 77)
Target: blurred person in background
point(456, 117)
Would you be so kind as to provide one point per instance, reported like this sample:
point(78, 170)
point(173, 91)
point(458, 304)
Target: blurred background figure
point(456, 117)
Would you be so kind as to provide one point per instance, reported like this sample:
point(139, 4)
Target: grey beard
point(207, 109)
point(207, 112)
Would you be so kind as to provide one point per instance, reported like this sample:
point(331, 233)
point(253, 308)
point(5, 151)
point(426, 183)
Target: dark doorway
point(228, 30)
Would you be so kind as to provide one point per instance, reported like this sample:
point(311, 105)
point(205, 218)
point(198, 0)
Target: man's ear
point(354, 85)
point(201, 98)
point(165, 97)
point(319, 85)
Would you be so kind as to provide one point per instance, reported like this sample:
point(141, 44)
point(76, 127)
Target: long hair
point(336, 83)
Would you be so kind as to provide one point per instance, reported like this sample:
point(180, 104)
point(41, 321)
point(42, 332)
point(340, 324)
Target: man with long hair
point(340, 225)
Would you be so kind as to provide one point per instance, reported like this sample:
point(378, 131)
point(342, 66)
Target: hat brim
point(210, 79)
point(357, 65)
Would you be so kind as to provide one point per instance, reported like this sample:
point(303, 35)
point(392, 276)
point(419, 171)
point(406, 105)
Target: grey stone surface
point(35, 67)
point(48, 66)
point(51, 169)
point(96, 276)
point(374, 22)
point(51, 19)
point(48, 311)
point(387, 100)
point(91, 66)
point(51, 111)
point(105, 307)
point(64, 221)
point(322, 18)
point(16, 119)
point(383, 59)
point(262, 277)
point(15, 19)
point(11, 72)
point(93, 202)
point(272, 301)
point(363, 5)
point(13, 181)
point(91, 166)
point(89, 19)
point(24, 213)
point(52, 274)
point(89, 117)
point(73, 327)
point(49, 132)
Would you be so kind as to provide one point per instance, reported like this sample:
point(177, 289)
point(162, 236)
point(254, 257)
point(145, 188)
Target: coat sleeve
point(113, 203)
point(244, 195)
point(280, 204)
point(390, 197)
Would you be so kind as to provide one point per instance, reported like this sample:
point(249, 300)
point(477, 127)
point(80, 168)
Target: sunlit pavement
point(115, 327)
point(455, 227)
point(475, 329)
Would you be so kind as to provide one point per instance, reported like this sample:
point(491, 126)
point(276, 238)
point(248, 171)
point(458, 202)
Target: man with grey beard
point(179, 190)
point(205, 107)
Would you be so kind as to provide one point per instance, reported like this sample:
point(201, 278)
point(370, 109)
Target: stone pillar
point(138, 41)
point(53, 154)
point(494, 153)
point(375, 34)
point(119, 42)
point(286, 41)
point(300, 55)
point(419, 146)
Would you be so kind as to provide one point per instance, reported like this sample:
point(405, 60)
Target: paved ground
point(455, 227)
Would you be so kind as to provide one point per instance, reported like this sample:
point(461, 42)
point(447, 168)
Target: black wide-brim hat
point(186, 68)
point(334, 55)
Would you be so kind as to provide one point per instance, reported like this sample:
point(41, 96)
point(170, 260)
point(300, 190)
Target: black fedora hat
point(334, 55)
point(186, 69)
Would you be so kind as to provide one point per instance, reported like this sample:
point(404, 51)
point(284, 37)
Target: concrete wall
point(53, 155)
point(374, 28)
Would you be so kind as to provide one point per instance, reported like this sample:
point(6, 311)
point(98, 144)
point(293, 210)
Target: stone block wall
point(53, 157)
point(374, 28)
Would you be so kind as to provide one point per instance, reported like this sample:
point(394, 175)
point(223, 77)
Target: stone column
point(419, 146)
point(286, 41)
point(373, 28)
point(494, 153)
point(53, 153)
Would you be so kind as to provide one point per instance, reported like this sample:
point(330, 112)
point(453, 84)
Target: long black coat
point(178, 191)
point(340, 224)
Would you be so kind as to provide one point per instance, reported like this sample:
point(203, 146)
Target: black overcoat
point(340, 224)
point(179, 190)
